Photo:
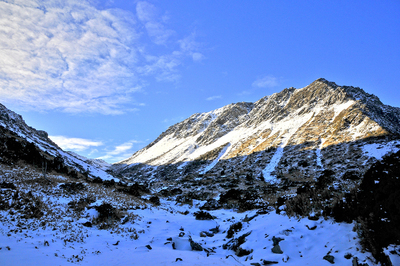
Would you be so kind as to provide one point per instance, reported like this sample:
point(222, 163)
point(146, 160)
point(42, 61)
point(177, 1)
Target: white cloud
point(148, 15)
point(72, 57)
point(266, 82)
point(191, 46)
point(197, 57)
point(120, 152)
point(212, 98)
point(74, 144)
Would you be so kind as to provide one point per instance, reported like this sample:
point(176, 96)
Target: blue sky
point(105, 78)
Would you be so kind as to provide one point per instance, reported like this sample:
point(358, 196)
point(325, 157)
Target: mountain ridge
point(319, 117)
point(21, 141)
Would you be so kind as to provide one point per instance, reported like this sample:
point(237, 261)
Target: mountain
point(18, 141)
point(304, 176)
point(294, 135)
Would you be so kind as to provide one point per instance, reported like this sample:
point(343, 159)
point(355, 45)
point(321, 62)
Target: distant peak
point(327, 82)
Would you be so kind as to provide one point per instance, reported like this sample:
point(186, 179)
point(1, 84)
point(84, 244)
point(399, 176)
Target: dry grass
point(53, 202)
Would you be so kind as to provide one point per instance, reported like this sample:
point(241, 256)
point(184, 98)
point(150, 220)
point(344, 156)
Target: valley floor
point(157, 235)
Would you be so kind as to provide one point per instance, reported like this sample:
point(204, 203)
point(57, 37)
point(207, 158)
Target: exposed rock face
point(295, 134)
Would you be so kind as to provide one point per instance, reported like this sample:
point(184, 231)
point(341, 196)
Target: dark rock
point(329, 258)
point(178, 259)
point(311, 228)
point(348, 256)
point(236, 227)
point(210, 205)
point(149, 247)
point(240, 252)
point(155, 200)
point(87, 224)
point(269, 262)
point(276, 240)
point(125, 220)
point(202, 215)
point(234, 244)
point(277, 249)
point(195, 246)
point(215, 230)
point(313, 218)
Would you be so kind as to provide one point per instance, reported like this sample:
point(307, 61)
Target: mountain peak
point(279, 135)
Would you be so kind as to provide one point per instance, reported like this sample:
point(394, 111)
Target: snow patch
point(378, 151)
point(271, 166)
point(214, 163)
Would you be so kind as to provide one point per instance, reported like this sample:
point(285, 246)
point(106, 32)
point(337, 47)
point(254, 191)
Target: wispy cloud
point(153, 22)
point(212, 98)
point(266, 82)
point(75, 144)
point(72, 57)
point(120, 152)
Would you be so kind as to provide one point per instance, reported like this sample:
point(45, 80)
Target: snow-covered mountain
point(20, 141)
point(290, 134)
point(299, 177)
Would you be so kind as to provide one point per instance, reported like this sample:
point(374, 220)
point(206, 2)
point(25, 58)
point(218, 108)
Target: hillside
point(18, 141)
point(291, 135)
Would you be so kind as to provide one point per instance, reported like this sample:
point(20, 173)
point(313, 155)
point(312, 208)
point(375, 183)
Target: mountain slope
point(18, 141)
point(292, 134)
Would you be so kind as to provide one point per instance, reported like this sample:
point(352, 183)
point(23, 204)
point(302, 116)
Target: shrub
point(202, 215)
point(155, 200)
point(73, 187)
point(109, 183)
point(107, 215)
point(81, 204)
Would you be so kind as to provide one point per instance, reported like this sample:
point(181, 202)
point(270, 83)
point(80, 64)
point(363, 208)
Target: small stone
point(277, 249)
point(329, 258)
point(269, 262)
point(195, 246)
point(240, 252)
point(149, 247)
point(276, 240)
point(87, 224)
point(311, 228)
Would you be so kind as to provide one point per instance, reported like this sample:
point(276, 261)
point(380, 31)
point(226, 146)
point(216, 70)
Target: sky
point(106, 78)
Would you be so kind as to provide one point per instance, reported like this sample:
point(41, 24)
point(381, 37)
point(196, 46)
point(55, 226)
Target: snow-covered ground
point(159, 235)
point(305, 242)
